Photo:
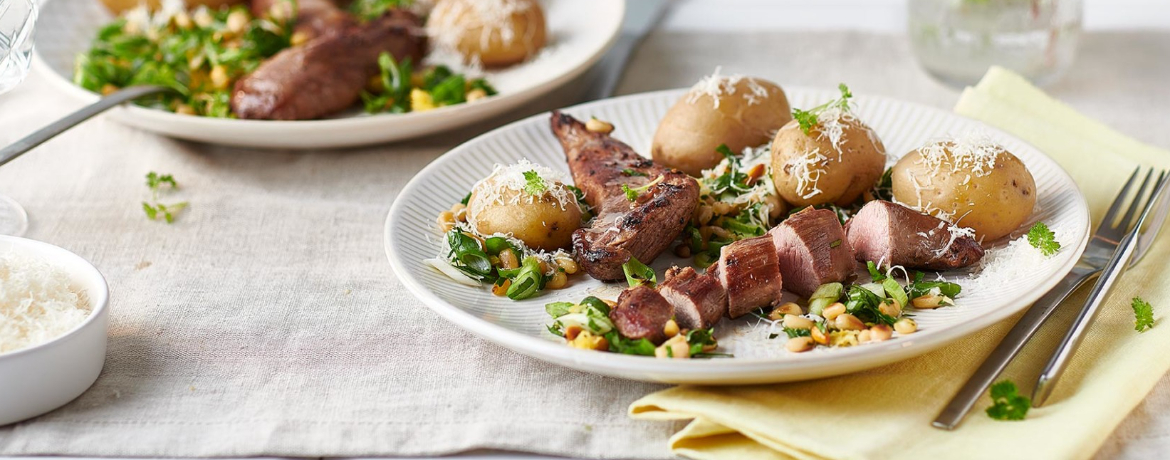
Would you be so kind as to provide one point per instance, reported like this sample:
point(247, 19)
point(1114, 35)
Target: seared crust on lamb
point(623, 229)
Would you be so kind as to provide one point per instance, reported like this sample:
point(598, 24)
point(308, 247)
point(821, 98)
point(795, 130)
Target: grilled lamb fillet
point(699, 300)
point(314, 17)
point(812, 249)
point(327, 74)
point(750, 271)
point(642, 313)
point(622, 229)
point(893, 234)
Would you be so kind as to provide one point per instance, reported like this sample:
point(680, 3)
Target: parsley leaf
point(533, 183)
point(808, 118)
point(1143, 314)
point(155, 210)
point(155, 180)
point(1008, 404)
point(1040, 237)
point(632, 193)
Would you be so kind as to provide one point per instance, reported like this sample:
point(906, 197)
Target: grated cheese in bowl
point(37, 302)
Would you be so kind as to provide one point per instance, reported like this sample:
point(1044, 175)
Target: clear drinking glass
point(956, 41)
point(17, 19)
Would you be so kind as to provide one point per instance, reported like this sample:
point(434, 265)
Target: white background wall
point(876, 15)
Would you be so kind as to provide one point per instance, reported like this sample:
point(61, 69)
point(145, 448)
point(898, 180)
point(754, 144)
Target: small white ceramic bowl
point(36, 380)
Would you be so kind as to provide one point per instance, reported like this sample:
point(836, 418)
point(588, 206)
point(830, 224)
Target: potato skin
point(689, 133)
point(468, 33)
point(538, 221)
point(993, 205)
point(844, 175)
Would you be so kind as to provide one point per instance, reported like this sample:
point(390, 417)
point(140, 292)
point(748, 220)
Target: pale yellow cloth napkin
point(886, 412)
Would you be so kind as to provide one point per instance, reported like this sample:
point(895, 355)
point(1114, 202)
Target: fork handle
point(1010, 346)
point(1060, 358)
point(29, 142)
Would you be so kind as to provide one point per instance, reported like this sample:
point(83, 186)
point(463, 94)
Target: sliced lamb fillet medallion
point(699, 300)
point(813, 251)
point(642, 313)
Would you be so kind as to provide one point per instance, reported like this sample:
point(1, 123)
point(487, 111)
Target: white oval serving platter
point(988, 297)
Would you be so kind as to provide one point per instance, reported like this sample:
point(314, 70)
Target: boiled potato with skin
point(737, 111)
point(838, 160)
point(495, 33)
point(544, 221)
point(972, 184)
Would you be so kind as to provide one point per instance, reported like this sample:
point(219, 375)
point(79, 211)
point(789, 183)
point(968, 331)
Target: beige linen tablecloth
point(266, 320)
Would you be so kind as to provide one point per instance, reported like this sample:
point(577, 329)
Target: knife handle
point(1010, 346)
point(1072, 339)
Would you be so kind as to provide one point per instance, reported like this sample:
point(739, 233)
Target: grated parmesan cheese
point(974, 152)
point(807, 170)
point(716, 86)
point(491, 17)
point(1003, 265)
point(37, 303)
point(511, 178)
point(831, 124)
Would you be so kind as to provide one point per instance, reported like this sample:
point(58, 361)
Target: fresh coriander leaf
point(843, 102)
point(151, 211)
point(1040, 237)
point(633, 173)
point(724, 150)
point(806, 119)
point(698, 339)
point(1007, 403)
point(155, 180)
point(632, 193)
point(638, 273)
point(533, 183)
point(1143, 314)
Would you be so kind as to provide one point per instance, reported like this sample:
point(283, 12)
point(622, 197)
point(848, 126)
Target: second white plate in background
point(580, 33)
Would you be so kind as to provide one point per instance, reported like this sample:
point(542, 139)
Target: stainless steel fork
point(1100, 249)
point(1109, 275)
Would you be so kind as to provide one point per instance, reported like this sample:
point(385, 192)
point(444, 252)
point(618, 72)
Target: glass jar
point(956, 41)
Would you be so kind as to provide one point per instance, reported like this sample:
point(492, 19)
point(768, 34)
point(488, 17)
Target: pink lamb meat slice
point(750, 271)
point(812, 249)
point(641, 313)
point(892, 234)
point(699, 300)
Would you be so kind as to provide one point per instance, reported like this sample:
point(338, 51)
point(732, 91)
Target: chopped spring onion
point(638, 273)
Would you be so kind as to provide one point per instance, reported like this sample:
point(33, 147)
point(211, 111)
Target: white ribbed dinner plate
point(580, 32)
point(988, 297)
